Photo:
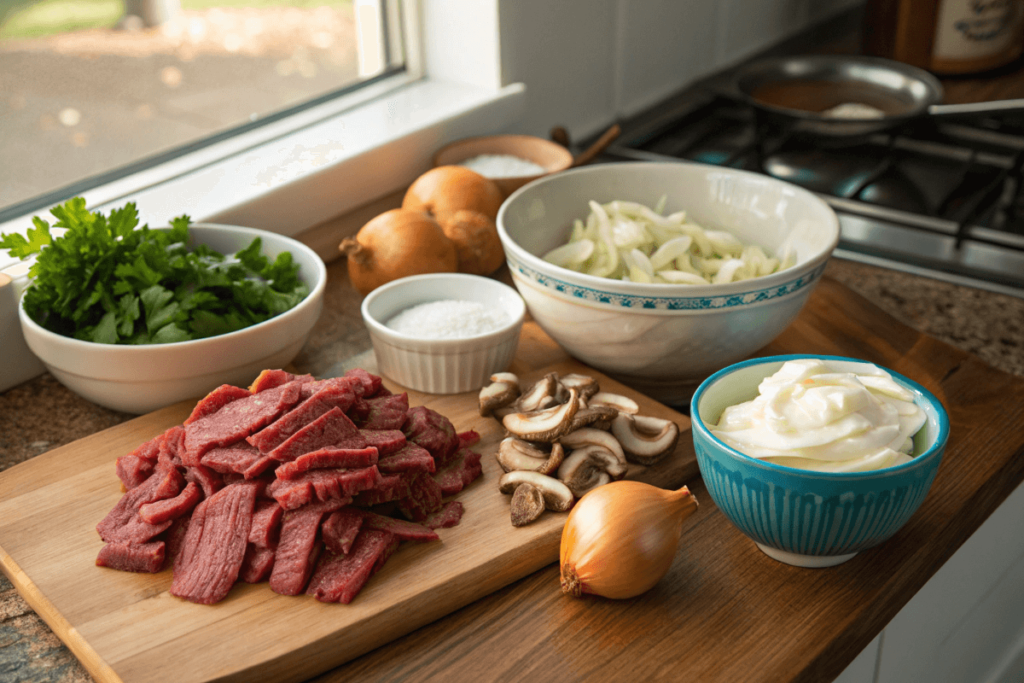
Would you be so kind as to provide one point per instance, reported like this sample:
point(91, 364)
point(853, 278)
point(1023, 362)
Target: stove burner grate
point(942, 198)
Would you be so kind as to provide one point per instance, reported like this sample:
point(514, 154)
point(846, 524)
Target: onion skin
point(396, 244)
point(621, 539)
point(444, 190)
point(476, 241)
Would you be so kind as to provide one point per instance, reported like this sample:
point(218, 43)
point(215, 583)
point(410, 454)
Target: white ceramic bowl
point(138, 379)
point(664, 339)
point(442, 366)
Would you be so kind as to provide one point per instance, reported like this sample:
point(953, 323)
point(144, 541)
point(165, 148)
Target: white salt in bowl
point(442, 365)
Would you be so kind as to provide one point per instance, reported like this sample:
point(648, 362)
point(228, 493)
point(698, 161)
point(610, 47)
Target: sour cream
point(810, 417)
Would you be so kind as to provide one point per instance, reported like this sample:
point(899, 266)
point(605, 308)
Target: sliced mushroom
point(502, 391)
point(561, 391)
point(543, 425)
point(590, 436)
point(516, 454)
point(623, 404)
point(557, 496)
point(598, 417)
point(581, 472)
point(500, 413)
point(527, 504)
point(541, 392)
point(585, 384)
point(605, 459)
point(645, 439)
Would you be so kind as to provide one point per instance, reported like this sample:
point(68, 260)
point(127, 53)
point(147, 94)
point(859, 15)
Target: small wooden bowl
point(551, 155)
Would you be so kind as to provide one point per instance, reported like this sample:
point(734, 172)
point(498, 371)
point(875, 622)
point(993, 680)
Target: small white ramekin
point(442, 366)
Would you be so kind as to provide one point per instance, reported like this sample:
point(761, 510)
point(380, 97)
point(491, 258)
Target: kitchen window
point(372, 123)
point(100, 89)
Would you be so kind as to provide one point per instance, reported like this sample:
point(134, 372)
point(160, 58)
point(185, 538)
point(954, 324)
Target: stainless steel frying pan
point(810, 93)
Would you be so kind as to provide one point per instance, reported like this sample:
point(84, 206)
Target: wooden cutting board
point(127, 627)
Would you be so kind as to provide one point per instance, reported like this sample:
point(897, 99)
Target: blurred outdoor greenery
point(37, 18)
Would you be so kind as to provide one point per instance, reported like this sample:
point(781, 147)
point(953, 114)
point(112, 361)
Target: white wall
point(586, 63)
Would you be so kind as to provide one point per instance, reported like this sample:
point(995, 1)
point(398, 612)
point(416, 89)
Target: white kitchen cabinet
point(966, 625)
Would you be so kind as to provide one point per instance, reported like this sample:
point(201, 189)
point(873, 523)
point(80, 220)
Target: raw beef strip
point(122, 523)
point(257, 565)
point(403, 530)
point(332, 429)
point(459, 473)
point(237, 420)
point(299, 548)
point(381, 412)
point(215, 400)
point(171, 508)
point(468, 438)
point(390, 487)
point(424, 498)
point(172, 446)
point(150, 449)
point(365, 384)
point(327, 458)
point(261, 465)
point(132, 557)
point(175, 536)
point(339, 578)
point(323, 486)
point(448, 516)
point(132, 470)
point(386, 441)
point(433, 431)
point(411, 458)
point(208, 480)
point(237, 457)
point(266, 524)
point(215, 545)
point(346, 384)
point(330, 396)
point(271, 379)
point(341, 528)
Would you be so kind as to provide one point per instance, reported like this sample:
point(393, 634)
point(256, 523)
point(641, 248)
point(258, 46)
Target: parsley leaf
point(107, 280)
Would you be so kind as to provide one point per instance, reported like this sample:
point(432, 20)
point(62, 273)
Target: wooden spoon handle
point(591, 153)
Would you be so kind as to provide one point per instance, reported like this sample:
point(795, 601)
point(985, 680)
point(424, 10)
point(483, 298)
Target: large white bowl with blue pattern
point(664, 339)
point(801, 517)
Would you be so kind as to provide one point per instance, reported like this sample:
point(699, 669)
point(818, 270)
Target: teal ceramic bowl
point(803, 518)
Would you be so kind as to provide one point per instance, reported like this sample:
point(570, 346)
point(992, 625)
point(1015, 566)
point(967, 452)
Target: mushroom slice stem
point(543, 425)
point(590, 436)
point(605, 459)
point(557, 496)
point(502, 391)
point(585, 384)
point(582, 471)
point(623, 404)
point(645, 439)
point(527, 504)
point(516, 454)
point(598, 417)
point(536, 396)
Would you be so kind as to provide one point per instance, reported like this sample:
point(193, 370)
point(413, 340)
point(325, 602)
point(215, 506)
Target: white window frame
point(299, 172)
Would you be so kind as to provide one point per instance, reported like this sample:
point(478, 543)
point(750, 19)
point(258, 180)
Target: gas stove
point(940, 198)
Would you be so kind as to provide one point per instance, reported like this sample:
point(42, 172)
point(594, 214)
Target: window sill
point(330, 167)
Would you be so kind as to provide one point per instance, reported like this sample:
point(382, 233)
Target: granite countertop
point(989, 325)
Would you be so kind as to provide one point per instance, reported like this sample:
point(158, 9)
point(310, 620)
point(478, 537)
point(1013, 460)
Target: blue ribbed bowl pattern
point(810, 513)
point(809, 519)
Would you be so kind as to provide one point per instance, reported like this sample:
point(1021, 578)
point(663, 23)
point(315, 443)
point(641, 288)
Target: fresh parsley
point(107, 280)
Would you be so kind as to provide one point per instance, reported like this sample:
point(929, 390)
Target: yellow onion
point(620, 538)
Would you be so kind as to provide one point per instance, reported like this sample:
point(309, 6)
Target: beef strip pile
point(307, 484)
